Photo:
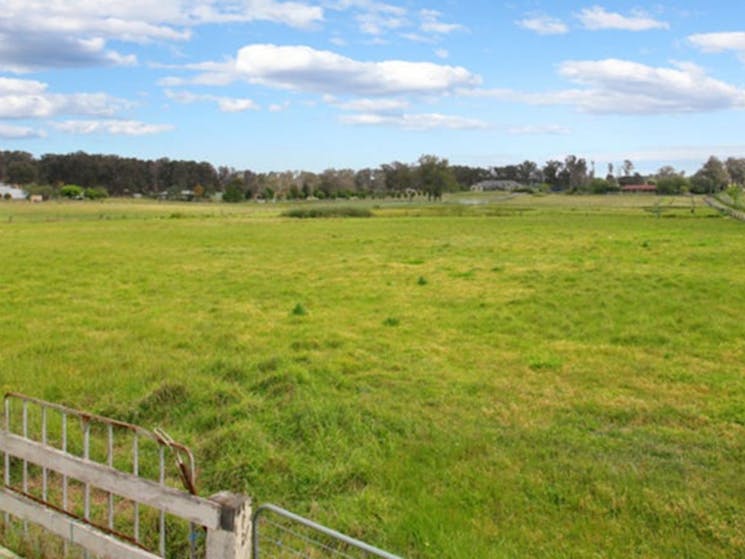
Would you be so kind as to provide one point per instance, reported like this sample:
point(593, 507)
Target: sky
point(313, 84)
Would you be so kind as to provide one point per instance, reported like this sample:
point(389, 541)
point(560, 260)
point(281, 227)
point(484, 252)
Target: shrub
point(341, 211)
point(71, 191)
point(97, 193)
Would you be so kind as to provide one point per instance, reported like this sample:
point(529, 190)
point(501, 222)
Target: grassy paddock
point(523, 376)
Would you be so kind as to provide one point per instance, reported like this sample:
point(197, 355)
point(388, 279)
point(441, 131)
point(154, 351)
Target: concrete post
point(233, 539)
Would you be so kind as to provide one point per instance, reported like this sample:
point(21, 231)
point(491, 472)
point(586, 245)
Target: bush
point(97, 193)
point(342, 211)
point(71, 191)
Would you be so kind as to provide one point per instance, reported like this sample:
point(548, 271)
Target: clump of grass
point(391, 321)
point(341, 211)
point(299, 310)
point(422, 281)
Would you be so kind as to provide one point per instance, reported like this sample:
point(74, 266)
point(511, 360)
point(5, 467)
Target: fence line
point(724, 208)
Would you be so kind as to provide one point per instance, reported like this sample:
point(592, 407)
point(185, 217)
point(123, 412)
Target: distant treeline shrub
point(342, 211)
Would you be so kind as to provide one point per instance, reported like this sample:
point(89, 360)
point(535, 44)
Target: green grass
point(530, 376)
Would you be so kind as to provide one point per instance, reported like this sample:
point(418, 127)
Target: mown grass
point(524, 377)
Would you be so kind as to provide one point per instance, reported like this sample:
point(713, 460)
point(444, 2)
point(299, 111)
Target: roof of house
point(639, 187)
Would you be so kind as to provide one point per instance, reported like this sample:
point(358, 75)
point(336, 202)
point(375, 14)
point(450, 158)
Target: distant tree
point(672, 184)
point(627, 167)
point(21, 172)
point(575, 170)
point(435, 177)
point(551, 173)
point(398, 177)
point(233, 190)
point(528, 173)
point(668, 171)
point(736, 169)
point(712, 177)
point(467, 176)
point(599, 186)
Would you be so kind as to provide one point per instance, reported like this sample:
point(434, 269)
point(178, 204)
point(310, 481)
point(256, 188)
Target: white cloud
point(431, 23)
point(373, 105)
point(373, 17)
point(597, 18)
point(307, 69)
point(225, 104)
point(10, 132)
point(279, 107)
point(613, 86)
point(426, 121)
point(31, 99)
point(719, 42)
point(544, 25)
point(442, 53)
point(37, 34)
point(111, 127)
point(538, 129)
point(32, 51)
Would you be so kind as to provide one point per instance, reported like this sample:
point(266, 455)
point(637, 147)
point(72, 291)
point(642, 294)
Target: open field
point(495, 376)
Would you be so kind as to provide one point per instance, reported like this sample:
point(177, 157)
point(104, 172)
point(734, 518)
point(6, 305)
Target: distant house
point(640, 188)
point(8, 192)
point(494, 184)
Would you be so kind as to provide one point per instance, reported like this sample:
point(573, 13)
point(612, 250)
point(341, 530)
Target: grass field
point(493, 376)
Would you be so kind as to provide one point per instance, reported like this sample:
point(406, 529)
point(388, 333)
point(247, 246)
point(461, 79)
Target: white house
point(7, 191)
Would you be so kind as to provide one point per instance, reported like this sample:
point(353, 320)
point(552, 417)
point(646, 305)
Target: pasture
point(491, 376)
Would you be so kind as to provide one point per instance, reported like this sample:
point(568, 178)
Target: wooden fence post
point(233, 539)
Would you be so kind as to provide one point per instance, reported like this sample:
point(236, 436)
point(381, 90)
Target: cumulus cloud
point(31, 99)
point(11, 132)
point(598, 18)
point(544, 25)
point(613, 86)
point(307, 69)
point(225, 104)
point(425, 121)
point(719, 42)
point(36, 34)
point(32, 51)
point(111, 127)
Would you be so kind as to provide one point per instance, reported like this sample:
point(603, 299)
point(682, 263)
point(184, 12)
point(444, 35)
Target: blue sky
point(312, 84)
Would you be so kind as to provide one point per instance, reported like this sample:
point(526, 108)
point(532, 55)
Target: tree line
point(430, 175)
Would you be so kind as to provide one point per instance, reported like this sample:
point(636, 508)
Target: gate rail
point(287, 540)
point(95, 487)
point(87, 487)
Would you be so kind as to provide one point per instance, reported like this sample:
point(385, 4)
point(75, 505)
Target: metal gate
point(77, 484)
point(280, 534)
